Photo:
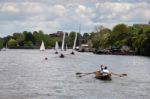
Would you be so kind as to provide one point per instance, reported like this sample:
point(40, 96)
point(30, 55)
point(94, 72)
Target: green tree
point(38, 37)
point(53, 41)
point(28, 44)
point(100, 40)
point(70, 39)
point(145, 45)
point(119, 33)
point(1, 44)
point(92, 34)
point(47, 40)
point(29, 37)
point(6, 39)
point(12, 43)
point(86, 37)
point(19, 37)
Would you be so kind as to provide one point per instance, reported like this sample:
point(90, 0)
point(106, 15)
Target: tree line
point(33, 40)
point(137, 37)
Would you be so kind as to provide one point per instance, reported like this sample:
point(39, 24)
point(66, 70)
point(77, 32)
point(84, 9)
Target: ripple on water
point(25, 74)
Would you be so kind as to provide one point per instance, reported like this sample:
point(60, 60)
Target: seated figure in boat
point(72, 53)
point(100, 71)
point(105, 71)
point(103, 74)
point(61, 55)
point(102, 67)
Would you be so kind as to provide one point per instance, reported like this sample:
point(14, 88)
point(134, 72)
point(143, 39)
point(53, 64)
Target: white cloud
point(8, 8)
point(57, 10)
point(121, 11)
point(31, 7)
point(66, 15)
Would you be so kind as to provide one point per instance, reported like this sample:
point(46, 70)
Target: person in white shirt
point(105, 71)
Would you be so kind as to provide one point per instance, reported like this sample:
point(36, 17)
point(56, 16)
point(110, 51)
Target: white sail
point(75, 40)
point(66, 46)
point(56, 46)
point(42, 48)
point(6, 46)
point(63, 41)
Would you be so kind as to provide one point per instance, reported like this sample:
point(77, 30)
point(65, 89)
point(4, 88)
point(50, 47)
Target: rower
point(98, 73)
point(105, 71)
point(102, 67)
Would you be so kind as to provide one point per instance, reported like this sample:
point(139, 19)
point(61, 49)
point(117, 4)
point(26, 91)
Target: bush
point(1, 45)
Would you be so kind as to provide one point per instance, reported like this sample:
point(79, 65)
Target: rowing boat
point(101, 76)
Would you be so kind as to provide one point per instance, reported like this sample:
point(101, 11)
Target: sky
point(66, 15)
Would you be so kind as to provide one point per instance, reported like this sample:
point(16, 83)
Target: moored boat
point(101, 76)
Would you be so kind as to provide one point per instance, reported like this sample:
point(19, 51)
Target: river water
point(24, 74)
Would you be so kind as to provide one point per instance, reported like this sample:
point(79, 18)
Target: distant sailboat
point(66, 47)
point(56, 46)
point(63, 41)
point(5, 48)
point(75, 40)
point(42, 48)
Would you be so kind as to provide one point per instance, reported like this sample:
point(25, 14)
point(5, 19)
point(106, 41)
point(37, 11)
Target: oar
point(79, 73)
point(84, 74)
point(120, 75)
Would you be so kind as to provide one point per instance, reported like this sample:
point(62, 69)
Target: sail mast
point(66, 46)
point(75, 40)
point(62, 47)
